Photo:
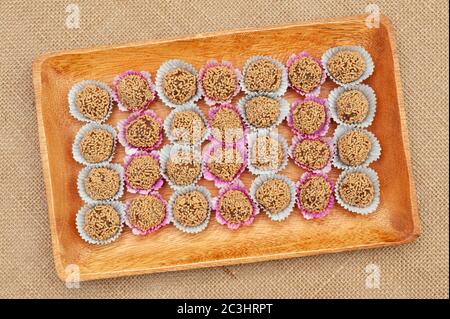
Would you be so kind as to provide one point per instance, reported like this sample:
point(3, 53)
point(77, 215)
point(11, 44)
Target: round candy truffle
point(134, 91)
point(93, 102)
point(352, 107)
point(262, 75)
point(308, 117)
point(273, 195)
point(190, 209)
point(179, 85)
point(235, 207)
point(346, 66)
point(311, 154)
point(143, 132)
point(142, 172)
point(354, 147)
point(266, 153)
point(102, 183)
point(357, 189)
point(225, 163)
point(97, 145)
point(262, 111)
point(226, 124)
point(146, 212)
point(187, 127)
point(314, 194)
point(101, 222)
point(182, 168)
point(305, 74)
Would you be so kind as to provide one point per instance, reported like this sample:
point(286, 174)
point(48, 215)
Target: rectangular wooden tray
point(395, 222)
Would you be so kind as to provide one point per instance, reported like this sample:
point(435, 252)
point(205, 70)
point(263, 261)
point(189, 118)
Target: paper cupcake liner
point(308, 214)
point(293, 58)
point(168, 66)
point(73, 110)
point(258, 181)
point(79, 221)
point(123, 124)
point(84, 173)
point(251, 141)
point(326, 140)
point(323, 129)
point(363, 88)
point(376, 185)
point(284, 110)
point(366, 56)
point(143, 74)
point(127, 161)
point(212, 112)
point(135, 229)
point(211, 148)
point(166, 153)
point(374, 154)
point(284, 76)
point(213, 63)
point(175, 194)
point(238, 186)
point(169, 119)
point(76, 152)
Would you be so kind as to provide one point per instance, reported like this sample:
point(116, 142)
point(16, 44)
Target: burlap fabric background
point(28, 29)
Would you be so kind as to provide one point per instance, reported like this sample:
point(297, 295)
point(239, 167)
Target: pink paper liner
point(213, 111)
point(296, 56)
point(311, 215)
point(123, 124)
point(238, 186)
point(212, 63)
point(326, 140)
point(323, 129)
point(157, 185)
point(139, 232)
point(142, 74)
point(213, 147)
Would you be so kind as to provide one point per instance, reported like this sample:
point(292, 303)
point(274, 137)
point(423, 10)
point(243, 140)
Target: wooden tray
point(395, 222)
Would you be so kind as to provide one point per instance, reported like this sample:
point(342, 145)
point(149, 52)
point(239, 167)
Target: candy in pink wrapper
point(224, 163)
point(144, 96)
point(230, 135)
point(320, 150)
point(236, 189)
point(139, 168)
point(219, 82)
point(132, 221)
point(309, 117)
point(315, 205)
point(313, 62)
point(130, 130)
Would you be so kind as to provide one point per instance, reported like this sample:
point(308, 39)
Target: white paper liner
point(376, 186)
point(72, 96)
point(175, 194)
point(168, 66)
point(165, 154)
point(334, 95)
point(76, 152)
point(84, 173)
point(374, 153)
point(284, 145)
point(284, 110)
point(366, 56)
point(258, 181)
point(79, 221)
point(169, 119)
point(284, 76)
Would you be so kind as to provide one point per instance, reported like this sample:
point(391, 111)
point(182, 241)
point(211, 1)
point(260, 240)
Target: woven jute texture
point(30, 28)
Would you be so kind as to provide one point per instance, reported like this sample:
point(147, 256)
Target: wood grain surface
point(395, 222)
